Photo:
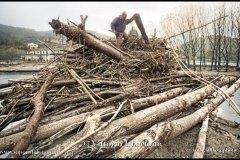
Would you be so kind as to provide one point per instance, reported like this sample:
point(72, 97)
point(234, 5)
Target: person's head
point(124, 15)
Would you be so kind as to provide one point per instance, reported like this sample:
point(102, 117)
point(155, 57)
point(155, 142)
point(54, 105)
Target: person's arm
point(113, 24)
point(130, 20)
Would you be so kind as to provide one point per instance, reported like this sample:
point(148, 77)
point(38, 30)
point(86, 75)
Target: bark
point(84, 87)
point(75, 55)
point(137, 104)
point(45, 131)
point(161, 98)
point(168, 77)
point(73, 100)
point(144, 119)
point(80, 36)
point(90, 81)
point(32, 126)
point(5, 85)
point(5, 91)
point(140, 26)
point(149, 140)
point(200, 147)
point(157, 99)
point(92, 132)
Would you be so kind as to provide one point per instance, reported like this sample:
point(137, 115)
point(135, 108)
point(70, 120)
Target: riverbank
point(23, 67)
point(223, 141)
point(215, 73)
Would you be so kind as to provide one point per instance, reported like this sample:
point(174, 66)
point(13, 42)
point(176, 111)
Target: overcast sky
point(36, 15)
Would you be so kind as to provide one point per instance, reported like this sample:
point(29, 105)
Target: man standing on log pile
point(118, 27)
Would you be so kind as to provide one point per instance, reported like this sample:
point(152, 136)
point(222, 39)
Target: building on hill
point(40, 53)
point(32, 46)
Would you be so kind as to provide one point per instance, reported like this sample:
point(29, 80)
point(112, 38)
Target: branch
point(76, 77)
point(196, 27)
point(32, 126)
point(200, 146)
point(95, 131)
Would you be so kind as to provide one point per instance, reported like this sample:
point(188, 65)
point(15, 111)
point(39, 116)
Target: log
point(5, 91)
point(164, 131)
point(32, 126)
point(78, 79)
point(90, 81)
point(200, 146)
point(5, 85)
point(158, 98)
point(170, 94)
point(140, 26)
point(46, 130)
point(144, 119)
point(137, 105)
point(92, 132)
point(73, 100)
point(81, 36)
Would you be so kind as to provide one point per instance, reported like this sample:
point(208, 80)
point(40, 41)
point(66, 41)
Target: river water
point(5, 76)
point(224, 110)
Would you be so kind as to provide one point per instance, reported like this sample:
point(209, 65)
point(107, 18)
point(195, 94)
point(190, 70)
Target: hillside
point(13, 40)
point(16, 36)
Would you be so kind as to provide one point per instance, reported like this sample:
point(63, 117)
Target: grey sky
point(36, 15)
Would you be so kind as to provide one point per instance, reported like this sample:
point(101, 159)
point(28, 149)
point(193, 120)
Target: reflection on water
point(225, 111)
point(5, 76)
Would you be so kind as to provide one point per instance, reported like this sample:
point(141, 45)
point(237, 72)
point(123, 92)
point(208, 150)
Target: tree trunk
point(200, 147)
point(212, 61)
point(194, 62)
point(32, 126)
point(44, 131)
point(160, 97)
point(238, 52)
point(140, 26)
point(149, 140)
point(157, 99)
point(80, 36)
point(90, 81)
point(201, 52)
point(54, 127)
point(143, 119)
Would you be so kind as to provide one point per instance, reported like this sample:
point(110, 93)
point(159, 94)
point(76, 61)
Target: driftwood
point(44, 131)
point(92, 78)
point(140, 26)
point(143, 119)
point(32, 126)
point(165, 95)
point(200, 146)
point(81, 36)
point(93, 131)
point(161, 132)
point(54, 126)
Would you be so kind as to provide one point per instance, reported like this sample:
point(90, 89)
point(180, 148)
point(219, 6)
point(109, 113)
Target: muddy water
point(225, 111)
point(5, 76)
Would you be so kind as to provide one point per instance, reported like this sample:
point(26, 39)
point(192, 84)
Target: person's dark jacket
point(119, 24)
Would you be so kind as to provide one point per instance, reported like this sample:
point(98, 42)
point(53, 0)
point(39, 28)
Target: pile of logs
point(104, 102)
